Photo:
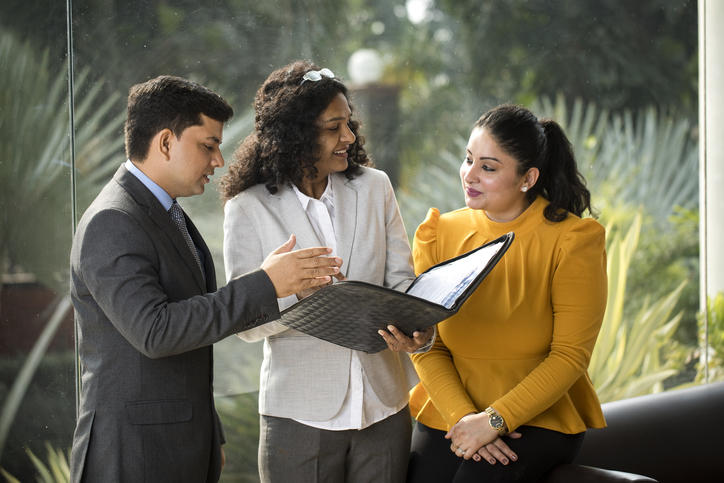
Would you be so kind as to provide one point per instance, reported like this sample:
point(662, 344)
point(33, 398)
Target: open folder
point(350, 313)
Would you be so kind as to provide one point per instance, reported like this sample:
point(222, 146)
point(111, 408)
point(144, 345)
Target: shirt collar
point(160, 194)
point(327, 197)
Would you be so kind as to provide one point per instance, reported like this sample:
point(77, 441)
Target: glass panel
point(622, 82)
point(37, 387)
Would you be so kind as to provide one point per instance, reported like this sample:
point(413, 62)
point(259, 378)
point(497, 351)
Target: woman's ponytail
point(562, 184)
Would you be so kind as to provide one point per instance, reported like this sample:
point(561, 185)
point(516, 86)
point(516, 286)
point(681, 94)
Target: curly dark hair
point(284, 144)
point(543, 145)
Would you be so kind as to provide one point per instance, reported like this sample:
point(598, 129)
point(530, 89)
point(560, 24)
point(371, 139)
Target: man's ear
point(163, 142)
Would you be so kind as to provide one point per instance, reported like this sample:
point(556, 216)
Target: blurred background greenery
point(621, 77)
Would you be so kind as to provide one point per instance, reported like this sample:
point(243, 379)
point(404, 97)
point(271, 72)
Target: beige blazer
point(303, 377)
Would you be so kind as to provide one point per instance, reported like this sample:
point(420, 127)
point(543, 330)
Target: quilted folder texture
point(350, 313)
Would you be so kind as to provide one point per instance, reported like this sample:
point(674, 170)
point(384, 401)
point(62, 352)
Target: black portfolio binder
point(350, 313)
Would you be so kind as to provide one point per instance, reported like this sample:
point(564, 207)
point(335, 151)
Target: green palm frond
point(55, 470)
point(714, 342)
point(35, 177)
point(626, 361)
point(646, 158)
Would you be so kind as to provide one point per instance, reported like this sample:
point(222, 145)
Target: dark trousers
point(293, 452)
point(539, 451)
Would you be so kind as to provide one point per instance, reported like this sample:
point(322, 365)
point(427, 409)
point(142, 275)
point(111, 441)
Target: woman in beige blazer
point(328, 413)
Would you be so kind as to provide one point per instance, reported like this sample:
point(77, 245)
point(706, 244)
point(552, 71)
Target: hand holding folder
point(350, 313)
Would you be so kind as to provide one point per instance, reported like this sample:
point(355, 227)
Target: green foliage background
point(620, 76)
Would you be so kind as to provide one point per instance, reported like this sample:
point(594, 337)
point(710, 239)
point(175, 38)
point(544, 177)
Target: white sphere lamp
point(365, 66)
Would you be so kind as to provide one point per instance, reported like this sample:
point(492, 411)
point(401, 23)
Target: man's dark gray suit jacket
point(146, 321)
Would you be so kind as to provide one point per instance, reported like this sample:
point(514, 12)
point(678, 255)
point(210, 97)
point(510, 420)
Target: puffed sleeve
point(578, 295)
point(424, 246)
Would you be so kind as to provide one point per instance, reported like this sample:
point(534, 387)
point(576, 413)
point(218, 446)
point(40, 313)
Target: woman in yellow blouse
point(514, 358)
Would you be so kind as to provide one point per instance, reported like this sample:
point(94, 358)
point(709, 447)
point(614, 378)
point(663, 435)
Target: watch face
point(496, 421)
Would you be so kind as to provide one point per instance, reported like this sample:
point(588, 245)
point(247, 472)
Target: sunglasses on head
point(316, 75)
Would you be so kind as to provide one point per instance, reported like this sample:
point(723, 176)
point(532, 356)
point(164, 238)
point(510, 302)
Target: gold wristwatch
point(496, 421)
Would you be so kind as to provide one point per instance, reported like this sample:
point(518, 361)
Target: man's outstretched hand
point(295, 271)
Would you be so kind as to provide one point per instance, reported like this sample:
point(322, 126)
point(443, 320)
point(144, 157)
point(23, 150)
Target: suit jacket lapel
point(295, 218)
point(345, 217)
point(161, 218)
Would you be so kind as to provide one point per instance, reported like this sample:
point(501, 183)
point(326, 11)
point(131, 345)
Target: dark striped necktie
point(177, 215)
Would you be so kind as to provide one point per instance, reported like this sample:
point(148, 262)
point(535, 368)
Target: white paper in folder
point(444, 284)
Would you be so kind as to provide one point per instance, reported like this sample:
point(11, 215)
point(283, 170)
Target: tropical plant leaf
point(55, 470)
point(10, 478)
point(58, 464)
point(22, 381)
point(626, 359)
point(40, 467)
point(35, 172)
point(35, 177)
point(646, 158)
point(711, 329)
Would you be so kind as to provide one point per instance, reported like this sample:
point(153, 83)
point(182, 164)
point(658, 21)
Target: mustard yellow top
point(523, 340)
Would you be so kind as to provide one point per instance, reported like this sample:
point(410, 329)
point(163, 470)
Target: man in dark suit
point(145, 298)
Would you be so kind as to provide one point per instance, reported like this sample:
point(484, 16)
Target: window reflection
point(37, 384)
point(622, 82)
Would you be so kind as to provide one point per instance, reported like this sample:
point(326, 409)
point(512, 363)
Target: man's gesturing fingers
point(312, 253)
point(292, 272)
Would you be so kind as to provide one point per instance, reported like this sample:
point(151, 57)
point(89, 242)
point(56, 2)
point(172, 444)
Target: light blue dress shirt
point(160, 194)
